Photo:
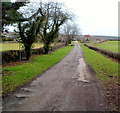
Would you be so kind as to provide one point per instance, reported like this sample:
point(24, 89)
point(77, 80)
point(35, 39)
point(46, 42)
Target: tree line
point(44, 23)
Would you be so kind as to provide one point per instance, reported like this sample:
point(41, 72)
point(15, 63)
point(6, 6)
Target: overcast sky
point(95, 17)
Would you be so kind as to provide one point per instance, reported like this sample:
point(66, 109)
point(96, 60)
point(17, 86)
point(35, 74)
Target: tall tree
point(28, 32)
point(10, 14)
point(55, 17)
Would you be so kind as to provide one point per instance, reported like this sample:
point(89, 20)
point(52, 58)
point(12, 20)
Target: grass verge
point(107, 71)
point(103, 66)
point(19, 75)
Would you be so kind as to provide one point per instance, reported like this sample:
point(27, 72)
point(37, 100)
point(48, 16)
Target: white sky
point(95, 17)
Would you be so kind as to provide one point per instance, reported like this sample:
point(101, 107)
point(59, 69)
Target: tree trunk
point(28, 52)
point(46, 48)
point(66, 43)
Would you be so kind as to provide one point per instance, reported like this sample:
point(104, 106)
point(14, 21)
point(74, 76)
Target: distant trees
point(70, 30)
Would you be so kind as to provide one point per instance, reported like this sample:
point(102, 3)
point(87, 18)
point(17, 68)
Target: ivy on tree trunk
point(28, 52)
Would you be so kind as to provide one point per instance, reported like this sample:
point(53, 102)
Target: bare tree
point(55, 17)
point(70, 30)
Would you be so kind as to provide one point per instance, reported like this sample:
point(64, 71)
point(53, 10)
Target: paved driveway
point(70, 85)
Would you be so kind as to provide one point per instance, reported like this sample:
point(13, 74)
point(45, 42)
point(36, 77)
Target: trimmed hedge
point(105, 52)
point(14, 55)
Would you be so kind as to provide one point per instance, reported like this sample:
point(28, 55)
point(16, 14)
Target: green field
point(103, 66)
point(17, 46)
point(21, 74)
point(109, 45)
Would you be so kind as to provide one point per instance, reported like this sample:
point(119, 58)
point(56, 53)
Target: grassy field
point(109, 45)
point(21, 74)
point(17, 46)
point(103, 66)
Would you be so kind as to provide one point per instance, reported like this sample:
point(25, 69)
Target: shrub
point(14, 55)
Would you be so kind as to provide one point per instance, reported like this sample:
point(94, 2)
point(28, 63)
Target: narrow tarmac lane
point(70, 85)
